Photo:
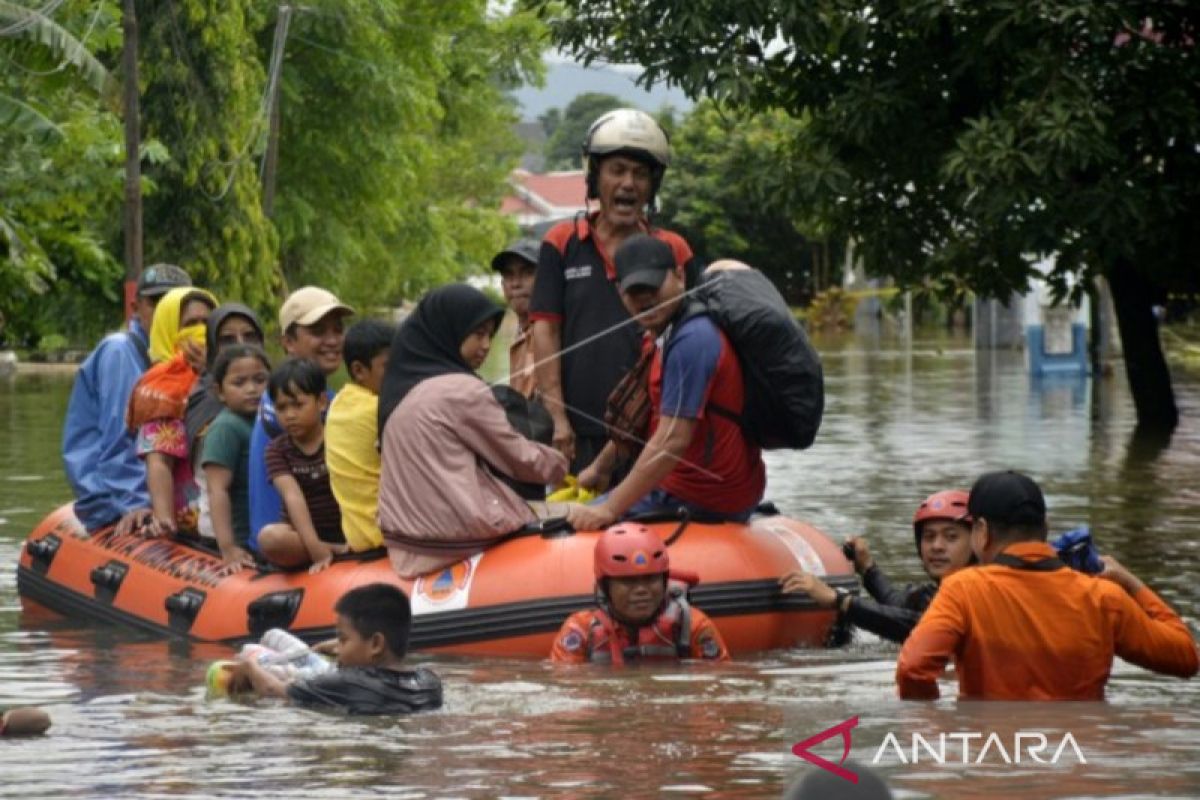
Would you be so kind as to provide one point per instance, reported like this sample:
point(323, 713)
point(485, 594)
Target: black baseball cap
point(1007, 497)
point(158, 279)
point(525, 249)
point(643, 260)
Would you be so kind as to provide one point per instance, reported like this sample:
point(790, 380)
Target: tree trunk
point(1145, 366)
point(133, 163)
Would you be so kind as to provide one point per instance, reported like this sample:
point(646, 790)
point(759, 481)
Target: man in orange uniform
point(1022, 626)
point(639, 618)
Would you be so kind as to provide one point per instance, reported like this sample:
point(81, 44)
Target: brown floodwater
point(131, 718)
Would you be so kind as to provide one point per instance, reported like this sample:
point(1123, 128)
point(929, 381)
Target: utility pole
point(270, 164)
point(133, 164)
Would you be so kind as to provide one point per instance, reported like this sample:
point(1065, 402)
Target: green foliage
point(202, 89)
point(396, 140)
point(723, 192)
point(17, 21)
point(394, 150)
point(60, 172)
point(571, 126)
point(956, 142)
point(831, 309)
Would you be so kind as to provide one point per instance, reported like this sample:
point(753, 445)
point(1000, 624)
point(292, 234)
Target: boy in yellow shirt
point(351, 433)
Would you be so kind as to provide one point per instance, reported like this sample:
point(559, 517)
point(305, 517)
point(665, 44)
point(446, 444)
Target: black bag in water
point(530, 419)
point(785, 386)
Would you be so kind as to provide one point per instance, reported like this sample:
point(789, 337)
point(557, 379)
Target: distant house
point(538, 200)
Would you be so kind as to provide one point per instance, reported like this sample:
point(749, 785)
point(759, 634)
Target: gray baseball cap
point(158, 279)
point(525, 249)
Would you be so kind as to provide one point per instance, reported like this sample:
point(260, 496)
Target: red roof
point(515, 205)
point(566, 189)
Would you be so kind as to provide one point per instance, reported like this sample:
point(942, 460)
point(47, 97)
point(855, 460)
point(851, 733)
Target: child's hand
point(329, 647)
point(239, 678)
point(133, 521)
point(157, 526)
point(322, 555)
point(235, 558)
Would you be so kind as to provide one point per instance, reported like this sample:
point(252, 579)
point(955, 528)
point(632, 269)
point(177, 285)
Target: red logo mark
point(801, 749)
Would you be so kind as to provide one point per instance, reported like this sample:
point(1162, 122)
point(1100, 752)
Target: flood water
point(131, 719)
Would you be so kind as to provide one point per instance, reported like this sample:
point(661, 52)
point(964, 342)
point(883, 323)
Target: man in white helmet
point(583, 339)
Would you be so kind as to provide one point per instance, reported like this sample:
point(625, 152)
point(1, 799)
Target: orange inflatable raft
point(507, 601)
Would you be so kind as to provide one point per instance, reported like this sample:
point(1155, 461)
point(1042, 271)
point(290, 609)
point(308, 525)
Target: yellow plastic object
point(217, 678)
point(570, 492)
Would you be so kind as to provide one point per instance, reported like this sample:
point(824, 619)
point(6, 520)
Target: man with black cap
point(1023, 626)
point(517, 265)
point(697, 455)
point(106, 475)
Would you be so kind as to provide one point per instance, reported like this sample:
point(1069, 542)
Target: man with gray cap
point(697, 455)
point(107, 477)
point(312, 320)
point(1024, 626)
point(517, 265)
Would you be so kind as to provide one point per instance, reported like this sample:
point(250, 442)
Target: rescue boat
point(507, 601)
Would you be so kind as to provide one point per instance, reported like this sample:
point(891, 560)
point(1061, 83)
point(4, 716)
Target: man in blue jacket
point(106, 475)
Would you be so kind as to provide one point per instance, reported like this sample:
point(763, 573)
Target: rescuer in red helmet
point(942, 531)
point(639, 616)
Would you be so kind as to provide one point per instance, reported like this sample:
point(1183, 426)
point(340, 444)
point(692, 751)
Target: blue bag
point(1078, 551)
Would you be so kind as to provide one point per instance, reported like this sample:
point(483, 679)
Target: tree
point(61, 190)
point(396, 141)
point(959, 142)
point(571, 126)
point(718, 195)
point(202, 88)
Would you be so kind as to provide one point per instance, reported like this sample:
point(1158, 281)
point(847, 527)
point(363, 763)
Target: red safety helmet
point(630, 549)
point(950, 504)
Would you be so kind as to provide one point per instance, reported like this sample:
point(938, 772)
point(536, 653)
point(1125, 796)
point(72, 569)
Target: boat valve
point(182, 608)
point(107, 580)
point(42, 552)
point(274, 610)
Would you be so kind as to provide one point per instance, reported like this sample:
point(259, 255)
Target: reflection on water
point(131, 720)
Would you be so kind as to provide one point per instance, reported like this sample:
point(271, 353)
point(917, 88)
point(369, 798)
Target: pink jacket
point(438, 501)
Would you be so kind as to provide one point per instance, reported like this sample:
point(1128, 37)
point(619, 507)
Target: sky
point(565, 79)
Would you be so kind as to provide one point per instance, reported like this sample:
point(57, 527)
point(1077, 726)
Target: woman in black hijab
point(428, 342)
point(445, 440)
point(230, 323)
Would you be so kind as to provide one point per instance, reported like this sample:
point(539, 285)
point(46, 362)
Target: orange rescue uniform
point(1018, 634)
point(592, 636)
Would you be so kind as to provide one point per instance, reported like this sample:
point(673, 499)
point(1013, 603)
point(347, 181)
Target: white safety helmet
point(626, 131)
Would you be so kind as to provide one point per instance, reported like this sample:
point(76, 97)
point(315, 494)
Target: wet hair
point(366, 339)
point(232, 353)
point(378, 608)
point(297, 376)
point(822, 785)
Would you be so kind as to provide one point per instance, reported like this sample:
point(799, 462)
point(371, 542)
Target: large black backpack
point(785, 387)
